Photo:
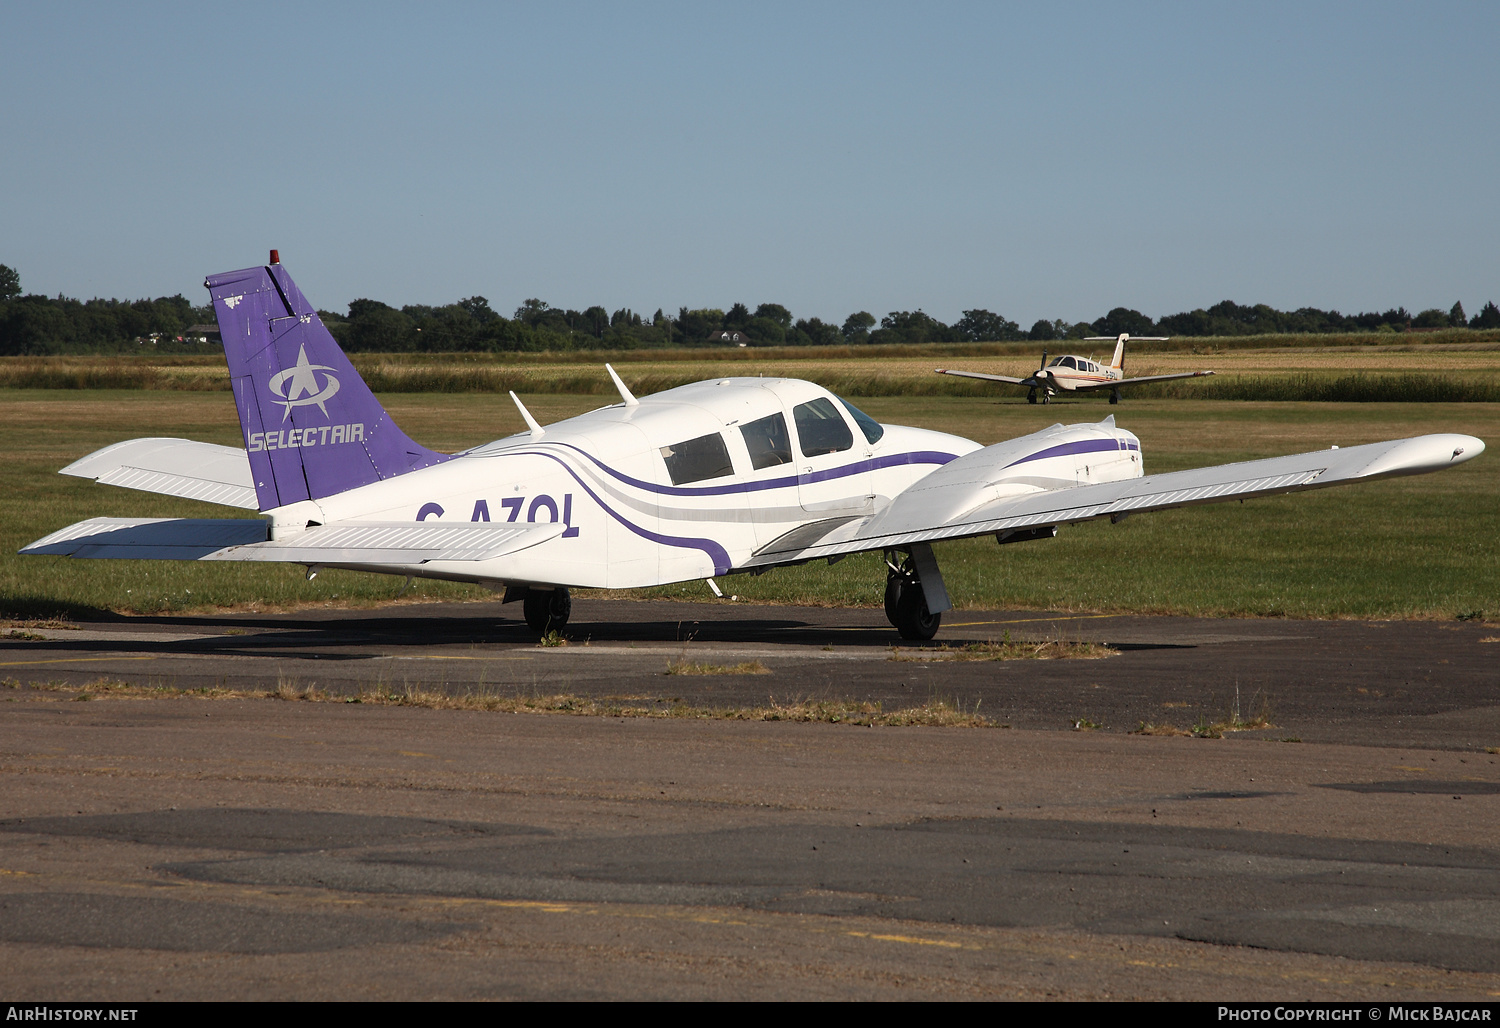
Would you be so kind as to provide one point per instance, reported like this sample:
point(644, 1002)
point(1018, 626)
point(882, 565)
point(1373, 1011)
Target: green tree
point(776, 313)
point(695, 325)
point(1042, 331)
point(10, 283)
point(1430, 318)
point(1123, 319)
point(738, 316)
point(857, 326)
point(1488, 317)
point(981, 326)
point(1456, 316)
point(478, 308)
point(817, 332)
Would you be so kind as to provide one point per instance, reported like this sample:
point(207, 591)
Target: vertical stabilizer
point(312, 427)
point(1119, 358)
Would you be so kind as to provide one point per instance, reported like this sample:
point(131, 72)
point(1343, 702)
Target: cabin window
point(820, 428)
point(695, 460)
point(1067, 362)
point(872, 429)
point(768, 441)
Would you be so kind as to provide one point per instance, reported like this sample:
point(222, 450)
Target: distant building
point(202, 334)
point(729, 337)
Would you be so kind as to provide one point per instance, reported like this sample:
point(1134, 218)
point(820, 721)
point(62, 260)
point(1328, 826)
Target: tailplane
point(312, 427)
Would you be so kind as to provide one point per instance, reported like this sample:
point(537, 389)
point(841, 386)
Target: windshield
point(872, 429)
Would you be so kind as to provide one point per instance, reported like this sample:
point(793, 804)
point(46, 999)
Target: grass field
point(1434, 369)
point(1421, 547)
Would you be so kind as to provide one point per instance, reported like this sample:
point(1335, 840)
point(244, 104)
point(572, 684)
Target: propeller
point(1041, 374)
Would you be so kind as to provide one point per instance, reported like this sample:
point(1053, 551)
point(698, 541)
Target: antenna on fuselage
point(536, 429)
point(630, 401)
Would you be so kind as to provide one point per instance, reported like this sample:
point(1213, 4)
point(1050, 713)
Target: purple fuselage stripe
point(1065, 449)
point(857, 468)
point(715, 551)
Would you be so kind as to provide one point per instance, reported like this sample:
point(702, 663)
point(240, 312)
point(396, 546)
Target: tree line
point(36, 325)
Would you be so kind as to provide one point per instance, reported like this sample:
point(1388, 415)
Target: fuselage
point(691, 482)
point(1071, 373)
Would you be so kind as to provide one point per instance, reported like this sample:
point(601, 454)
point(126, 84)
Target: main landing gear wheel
point(906, 604)
point(547, 611)
point(1031, 396)
point(1114, 396)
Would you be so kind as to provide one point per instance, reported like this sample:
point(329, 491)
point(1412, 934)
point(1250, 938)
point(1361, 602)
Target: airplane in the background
point(727, 476)
point(1075, 374)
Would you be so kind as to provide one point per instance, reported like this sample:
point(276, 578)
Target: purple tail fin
point(312, 427)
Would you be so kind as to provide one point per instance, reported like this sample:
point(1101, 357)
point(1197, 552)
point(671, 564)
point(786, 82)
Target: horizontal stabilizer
point(401, 542)
point(149, 538)
point(173, 467)
point(949, 503)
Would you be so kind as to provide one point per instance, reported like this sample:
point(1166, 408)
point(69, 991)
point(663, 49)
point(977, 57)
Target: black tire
point(892, 596)
point(1046, 397)
point(547, 611)
point(1114, 396)
point(1031, 396)
point(912, 618)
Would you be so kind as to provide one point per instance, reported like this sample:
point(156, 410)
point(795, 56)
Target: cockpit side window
point(872, 429)
point(768, 441)
point(695, 460)
point(820, 427)
point(1067, 362)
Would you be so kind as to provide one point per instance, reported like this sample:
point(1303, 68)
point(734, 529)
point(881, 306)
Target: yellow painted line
point(914, 940)
point(76, 660)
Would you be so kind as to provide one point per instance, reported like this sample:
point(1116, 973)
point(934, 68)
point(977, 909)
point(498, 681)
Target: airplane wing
point(954, 502)
point(403, 542)
point(988, 378)
point(1139, 380)
point(176, 467)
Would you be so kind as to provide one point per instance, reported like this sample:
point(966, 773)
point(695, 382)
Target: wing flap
point(173, 467)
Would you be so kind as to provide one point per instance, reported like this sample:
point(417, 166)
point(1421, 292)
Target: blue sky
point(1039, 160)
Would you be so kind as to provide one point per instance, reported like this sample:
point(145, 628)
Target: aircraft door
point(832, 461)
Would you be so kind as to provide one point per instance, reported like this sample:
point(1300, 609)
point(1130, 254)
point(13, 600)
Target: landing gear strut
point(906, 600)
point(547, 610)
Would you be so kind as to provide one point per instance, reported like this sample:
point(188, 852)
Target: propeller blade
point(1044, 360)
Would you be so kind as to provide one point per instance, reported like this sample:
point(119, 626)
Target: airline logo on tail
point(298, 386)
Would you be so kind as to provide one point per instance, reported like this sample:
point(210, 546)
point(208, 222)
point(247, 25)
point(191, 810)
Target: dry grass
point(683, 666)
point(1148, 728)
point(934, 713)
point(1006, 649)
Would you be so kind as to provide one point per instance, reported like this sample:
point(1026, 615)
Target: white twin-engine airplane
point(1074, 374)
point(719, 477)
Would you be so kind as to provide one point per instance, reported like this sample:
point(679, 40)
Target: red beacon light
point(275, 257)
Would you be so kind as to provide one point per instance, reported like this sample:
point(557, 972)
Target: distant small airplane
point(727, 476)
point(1074, 374)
